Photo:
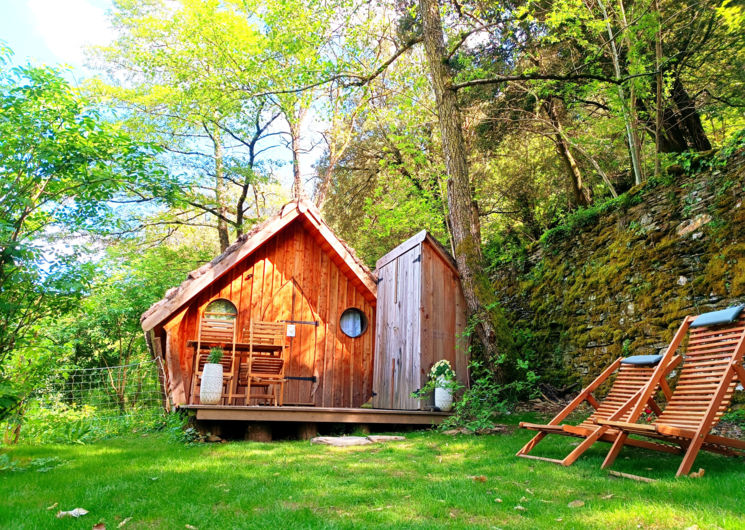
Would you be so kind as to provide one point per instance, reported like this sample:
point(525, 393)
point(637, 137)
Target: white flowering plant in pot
point(210, 390)
point(442, 383)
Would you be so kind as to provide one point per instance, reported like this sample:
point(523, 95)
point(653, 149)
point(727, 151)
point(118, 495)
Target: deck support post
point(306, 431)
point(258, 432)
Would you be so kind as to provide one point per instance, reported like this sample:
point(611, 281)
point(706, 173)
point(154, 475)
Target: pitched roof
point(300, 209)
point(412, 242)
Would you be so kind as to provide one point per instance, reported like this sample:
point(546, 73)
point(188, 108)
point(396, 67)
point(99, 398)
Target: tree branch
point(547, 77)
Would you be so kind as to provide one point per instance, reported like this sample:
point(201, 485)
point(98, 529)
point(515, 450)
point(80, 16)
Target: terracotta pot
point(210, 391)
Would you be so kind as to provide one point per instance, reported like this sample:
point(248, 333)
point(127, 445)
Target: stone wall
point(621, 284)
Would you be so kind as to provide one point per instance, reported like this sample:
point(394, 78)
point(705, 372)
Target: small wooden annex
point(421, 319)
point(291, 269)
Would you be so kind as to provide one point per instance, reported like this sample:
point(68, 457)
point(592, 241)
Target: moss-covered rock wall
point(620, 281)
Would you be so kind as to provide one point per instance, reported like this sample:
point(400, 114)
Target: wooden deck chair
point(632, 375)
point(711, 369)
point(214, 332)
point(265, 367)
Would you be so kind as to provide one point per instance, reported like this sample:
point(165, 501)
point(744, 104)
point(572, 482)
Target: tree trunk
point(223, 232)
point(297, 183)
point(582, 194)
point(631, 138)
point(680, 127)
point(462, 207)
point(689, 118)
point(294, 117)
point(658, 88)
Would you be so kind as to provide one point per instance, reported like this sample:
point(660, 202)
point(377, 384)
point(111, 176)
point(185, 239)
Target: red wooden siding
point(293, 277)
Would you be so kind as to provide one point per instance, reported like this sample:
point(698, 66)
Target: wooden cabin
point(421, 320)
point(292, 271)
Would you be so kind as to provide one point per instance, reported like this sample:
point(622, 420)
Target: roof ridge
point(303, 206)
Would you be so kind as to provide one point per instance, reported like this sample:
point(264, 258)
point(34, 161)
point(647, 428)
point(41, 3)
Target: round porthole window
point(353, 322)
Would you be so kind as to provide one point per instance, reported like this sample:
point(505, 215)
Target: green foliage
point(736, 416)
point(9, 399)
point(7, 464)
point(178, 428)
point(83, 424)
point(481, 405)
point(587, 217)
point(694, 162)
point(62, 164)
point(215, 355)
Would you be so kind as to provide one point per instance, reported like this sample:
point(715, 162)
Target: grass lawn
point(424, 482)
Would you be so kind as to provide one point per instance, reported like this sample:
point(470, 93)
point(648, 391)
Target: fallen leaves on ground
point(53, 506)
point(576, 504)
point(77, 512)
point(477, 478)
point(698, 474)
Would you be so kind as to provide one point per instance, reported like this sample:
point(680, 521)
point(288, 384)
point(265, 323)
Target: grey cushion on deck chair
point(642, 360)
point(725, 316)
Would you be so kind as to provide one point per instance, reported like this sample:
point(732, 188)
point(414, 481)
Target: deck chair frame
point(625, 391)
point(266, 370)
point(220, 333)
point(709, 376)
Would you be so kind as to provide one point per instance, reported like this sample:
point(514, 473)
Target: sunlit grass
point(424, 482)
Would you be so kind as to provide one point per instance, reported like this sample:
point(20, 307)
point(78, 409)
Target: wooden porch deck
point(316, 415)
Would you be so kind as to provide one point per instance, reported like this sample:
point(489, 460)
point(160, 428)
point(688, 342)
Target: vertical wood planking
point(323, 305)
point(338, 372)
point(369, 353)
point(258, 285)
point(381, 331)
point(348, 352)
point(331, 323)
point(262, 286)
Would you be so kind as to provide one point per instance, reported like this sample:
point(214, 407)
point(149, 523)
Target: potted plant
point(442, 384)
point(210, 391)
point(442, 376)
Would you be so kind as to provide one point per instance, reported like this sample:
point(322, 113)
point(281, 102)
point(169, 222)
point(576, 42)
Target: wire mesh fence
point(84, 405)
point(113, 391)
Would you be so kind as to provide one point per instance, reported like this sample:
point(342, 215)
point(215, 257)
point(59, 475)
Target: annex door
point(397, 363)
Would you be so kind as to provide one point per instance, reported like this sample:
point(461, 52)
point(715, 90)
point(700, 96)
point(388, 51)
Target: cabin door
point(290, 305)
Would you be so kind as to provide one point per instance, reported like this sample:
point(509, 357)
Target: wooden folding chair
point(265, 367)
point(710, 373)
point(214, 332)
point(632, 375)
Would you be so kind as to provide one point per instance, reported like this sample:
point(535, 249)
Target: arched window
point(353, 322)
point(221, 309)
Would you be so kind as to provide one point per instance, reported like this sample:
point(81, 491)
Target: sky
point(56, 32)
